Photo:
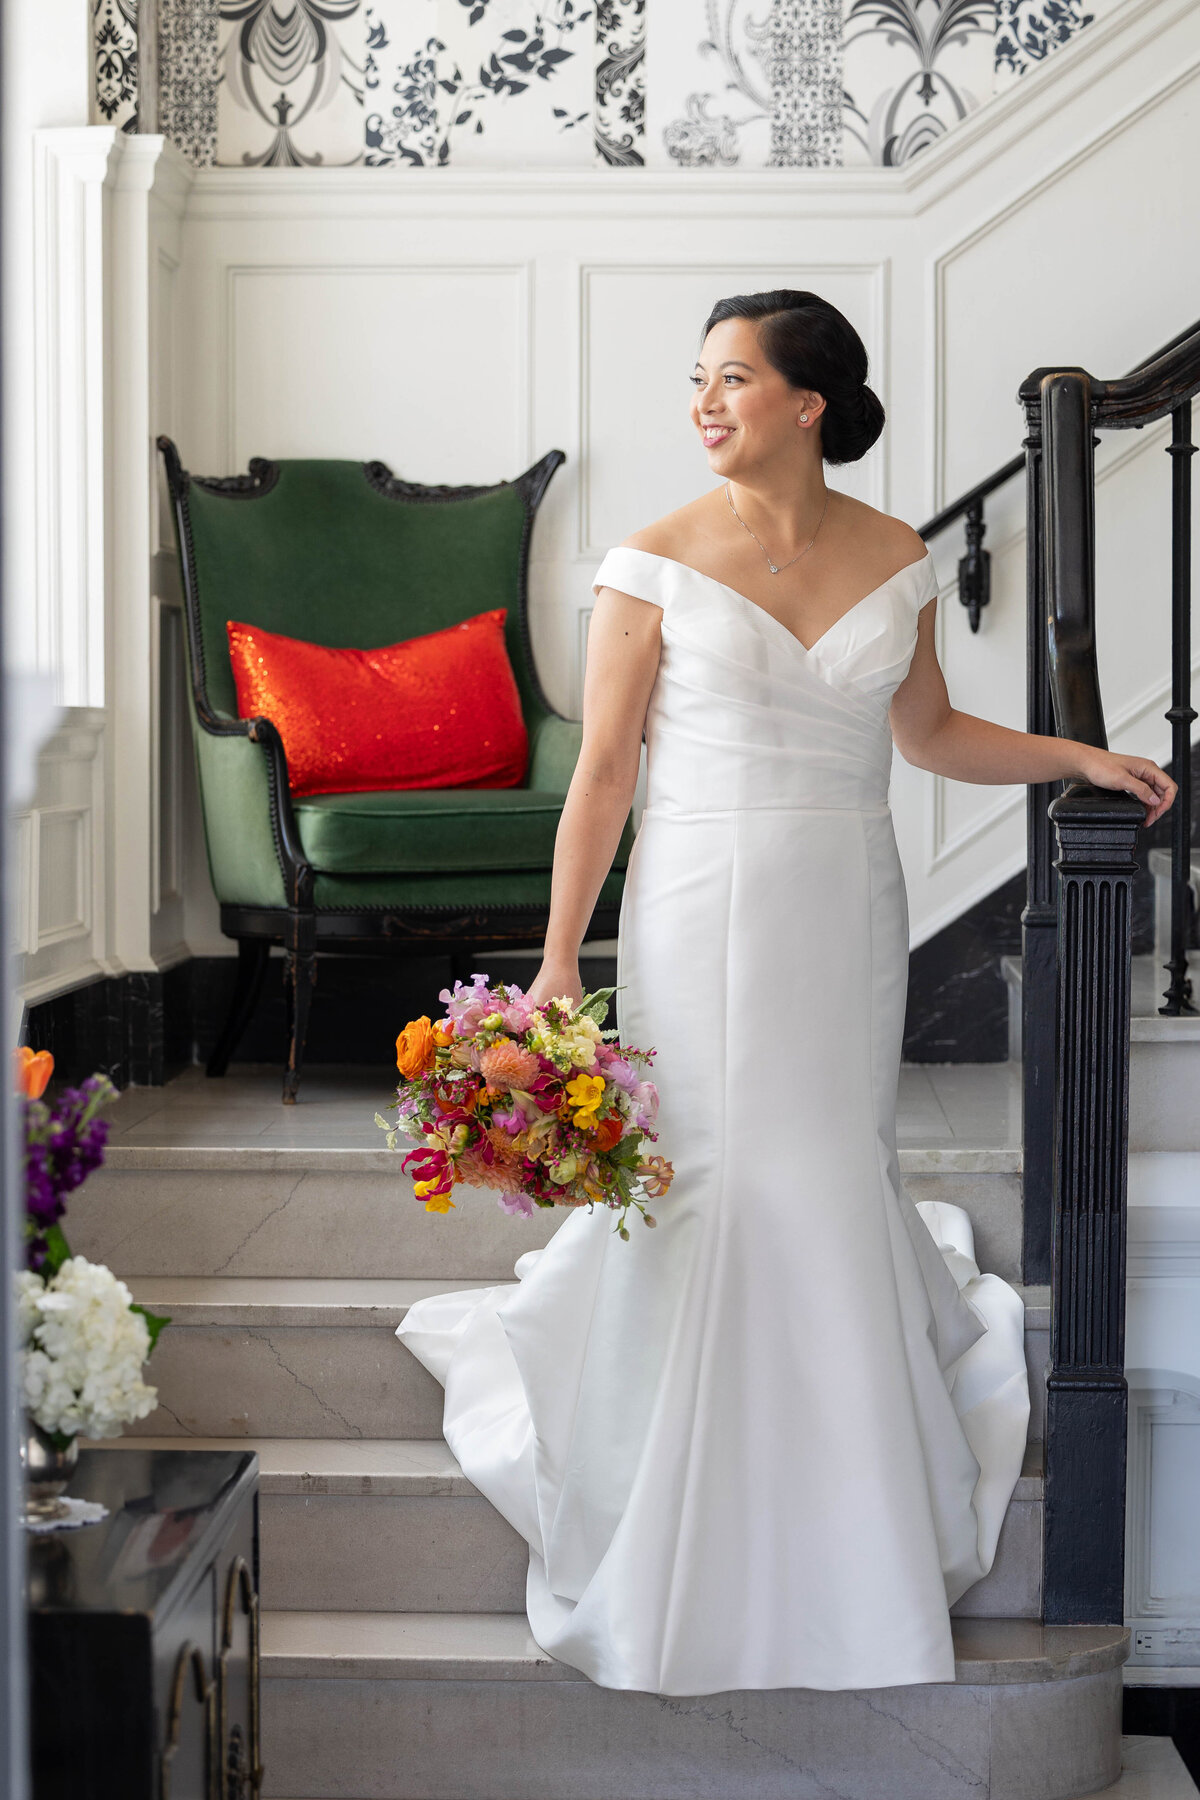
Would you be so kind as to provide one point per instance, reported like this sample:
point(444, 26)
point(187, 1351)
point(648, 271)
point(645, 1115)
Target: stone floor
point(968, 1114)
point(1152, 1769)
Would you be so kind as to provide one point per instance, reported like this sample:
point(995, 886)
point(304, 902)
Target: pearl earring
point(804, 418)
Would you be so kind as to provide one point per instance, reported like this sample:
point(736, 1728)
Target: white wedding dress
point(769, 1442)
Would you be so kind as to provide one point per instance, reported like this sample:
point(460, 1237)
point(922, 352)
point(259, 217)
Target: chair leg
point(300, 979)
point(253, 954)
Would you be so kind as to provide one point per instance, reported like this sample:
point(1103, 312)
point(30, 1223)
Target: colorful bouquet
point(528, 1099)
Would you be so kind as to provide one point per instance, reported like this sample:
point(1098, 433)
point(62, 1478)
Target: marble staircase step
point(440, 1705)
point(313, 1358)
point(1151, 1769)
point(205, 1209)
point(373, 1526)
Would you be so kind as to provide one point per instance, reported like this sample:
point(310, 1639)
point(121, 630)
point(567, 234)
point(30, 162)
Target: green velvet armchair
point(349, 555)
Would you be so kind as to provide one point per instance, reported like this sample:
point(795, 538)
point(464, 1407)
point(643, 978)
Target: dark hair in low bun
point(814, 346)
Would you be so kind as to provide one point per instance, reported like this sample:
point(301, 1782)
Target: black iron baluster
point(1181, 713)
point(975, 568)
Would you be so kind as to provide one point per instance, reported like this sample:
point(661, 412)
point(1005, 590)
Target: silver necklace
point(776, 567)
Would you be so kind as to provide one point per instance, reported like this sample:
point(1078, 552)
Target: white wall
point(460, 324)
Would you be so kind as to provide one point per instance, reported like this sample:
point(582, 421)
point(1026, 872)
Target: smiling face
point(744, 411)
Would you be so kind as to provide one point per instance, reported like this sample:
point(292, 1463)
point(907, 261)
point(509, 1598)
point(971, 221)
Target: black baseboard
point(141, 1029)
point(132, 1028)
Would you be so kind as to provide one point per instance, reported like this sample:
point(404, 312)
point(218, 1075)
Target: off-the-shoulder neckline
point(807, 649)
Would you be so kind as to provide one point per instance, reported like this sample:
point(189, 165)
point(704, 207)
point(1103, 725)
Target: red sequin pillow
point(436, 711)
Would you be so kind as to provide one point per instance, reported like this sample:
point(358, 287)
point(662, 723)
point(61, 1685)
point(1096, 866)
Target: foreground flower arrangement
point(529, 1100)
point(84, 1343)
point(83, 1338)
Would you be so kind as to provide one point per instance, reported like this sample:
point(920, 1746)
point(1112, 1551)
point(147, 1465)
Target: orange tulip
point(415, 1048)
point(32, 1069)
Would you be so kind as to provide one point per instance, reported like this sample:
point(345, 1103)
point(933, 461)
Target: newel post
point(1096, 839)
point(1086, 1394)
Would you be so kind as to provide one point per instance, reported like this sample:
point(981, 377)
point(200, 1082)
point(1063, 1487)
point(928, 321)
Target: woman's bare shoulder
point(890, 539)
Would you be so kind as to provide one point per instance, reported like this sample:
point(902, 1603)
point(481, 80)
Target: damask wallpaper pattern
point(752, 84)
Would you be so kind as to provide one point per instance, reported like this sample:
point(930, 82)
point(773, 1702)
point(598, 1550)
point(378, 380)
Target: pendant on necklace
point(772, 567)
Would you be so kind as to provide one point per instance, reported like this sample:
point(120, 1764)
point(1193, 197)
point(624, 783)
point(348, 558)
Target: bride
point(771, 1441)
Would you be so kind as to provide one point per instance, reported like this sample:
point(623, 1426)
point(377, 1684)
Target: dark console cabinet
point(144, 1632)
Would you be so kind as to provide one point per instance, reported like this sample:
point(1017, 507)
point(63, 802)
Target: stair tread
point(500, 1647)
point(294, 1300)
point(247, 1300)
point(403, 1467)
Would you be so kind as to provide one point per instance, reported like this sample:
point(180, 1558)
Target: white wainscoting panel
point(410, 363)
point(59, 927)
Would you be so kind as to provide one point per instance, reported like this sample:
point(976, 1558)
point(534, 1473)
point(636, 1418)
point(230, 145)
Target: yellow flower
point(585, 1093)
point(438, 1203)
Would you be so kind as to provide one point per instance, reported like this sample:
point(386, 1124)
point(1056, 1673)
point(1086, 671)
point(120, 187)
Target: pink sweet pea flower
point(516, 1204)
point(468, 1006)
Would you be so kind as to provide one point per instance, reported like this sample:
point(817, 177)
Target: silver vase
point(48, 1472)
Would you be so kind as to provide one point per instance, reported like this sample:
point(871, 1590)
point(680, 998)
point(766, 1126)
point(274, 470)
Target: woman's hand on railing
point(1135, 775)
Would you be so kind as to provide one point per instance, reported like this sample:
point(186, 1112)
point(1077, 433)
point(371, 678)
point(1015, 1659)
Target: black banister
point(1120, 404)
point(1069, 554)
point(1077, 976)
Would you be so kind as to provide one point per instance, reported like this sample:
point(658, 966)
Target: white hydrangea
point(83, 1351)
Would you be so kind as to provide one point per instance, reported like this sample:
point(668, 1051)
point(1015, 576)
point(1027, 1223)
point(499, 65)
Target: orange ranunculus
point(32, 1069)
point(443, 1033)
point(415, 1048)
point(608, 1131)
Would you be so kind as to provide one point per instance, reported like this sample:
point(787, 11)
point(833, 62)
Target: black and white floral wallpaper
point(752, 84)
point(115, 62)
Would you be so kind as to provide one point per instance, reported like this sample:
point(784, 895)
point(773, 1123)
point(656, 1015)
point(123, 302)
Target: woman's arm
point(930, 734)
point(622, 661)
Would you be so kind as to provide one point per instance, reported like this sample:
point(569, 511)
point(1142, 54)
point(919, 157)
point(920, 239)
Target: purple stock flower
point(64, 1142)
point(42, 1198)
